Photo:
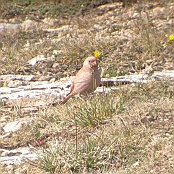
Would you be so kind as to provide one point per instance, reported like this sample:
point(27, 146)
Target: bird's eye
point(89, 61)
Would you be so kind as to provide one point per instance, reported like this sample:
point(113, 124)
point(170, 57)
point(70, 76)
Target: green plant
point(97, 111)
point(36, 130)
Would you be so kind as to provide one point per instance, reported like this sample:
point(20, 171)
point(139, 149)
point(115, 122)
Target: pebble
point(39, 58)
point(12, 126)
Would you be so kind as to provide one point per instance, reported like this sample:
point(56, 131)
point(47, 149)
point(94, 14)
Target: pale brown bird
point(86, 80)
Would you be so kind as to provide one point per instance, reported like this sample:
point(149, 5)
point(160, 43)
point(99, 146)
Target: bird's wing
point(82, 82)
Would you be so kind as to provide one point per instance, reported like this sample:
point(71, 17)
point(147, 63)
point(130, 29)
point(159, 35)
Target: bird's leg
point(101, 75)
point(81, 98)
point(103, 87)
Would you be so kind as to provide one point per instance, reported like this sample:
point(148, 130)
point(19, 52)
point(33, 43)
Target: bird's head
point(91, 62)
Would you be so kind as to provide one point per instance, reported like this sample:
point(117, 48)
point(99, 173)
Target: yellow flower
point(171, 37)
point(96, 54)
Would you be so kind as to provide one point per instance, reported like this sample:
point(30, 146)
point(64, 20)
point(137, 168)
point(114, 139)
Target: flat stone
point(16, 156)
point(16, 77)
point(15, 83)
point(28, 24)
point(39, 58)
point(12, 126)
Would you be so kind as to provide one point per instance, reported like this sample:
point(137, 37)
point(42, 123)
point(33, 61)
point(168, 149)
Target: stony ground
point(40, 49)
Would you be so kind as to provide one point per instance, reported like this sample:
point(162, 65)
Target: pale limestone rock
point(12, 126)
point(15, 83)
point(39, 58)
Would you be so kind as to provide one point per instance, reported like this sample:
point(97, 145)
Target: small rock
point(16, 77)
point(12, 126)
point(27, 24)
point(97, 27)
point(135, 15)
point(44, 78)
point(39, 58)
point(56, 65)
point(53, 80)
point(57, 52)
point(107, 7)
point(16, 83)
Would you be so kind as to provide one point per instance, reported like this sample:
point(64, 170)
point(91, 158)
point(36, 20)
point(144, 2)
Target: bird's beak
point(94, 63)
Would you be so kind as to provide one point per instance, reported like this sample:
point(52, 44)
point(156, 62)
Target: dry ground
point(127, 131)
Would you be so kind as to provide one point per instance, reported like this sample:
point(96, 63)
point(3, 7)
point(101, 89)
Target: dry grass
point(130, 131)
point(120, 52)
point(127, 132)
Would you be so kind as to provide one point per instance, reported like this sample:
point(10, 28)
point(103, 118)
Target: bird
point(86, 80)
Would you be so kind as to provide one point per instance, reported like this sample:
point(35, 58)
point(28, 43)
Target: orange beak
point(94, 63)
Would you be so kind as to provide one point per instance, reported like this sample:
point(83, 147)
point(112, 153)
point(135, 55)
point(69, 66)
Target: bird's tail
point(66, 98)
